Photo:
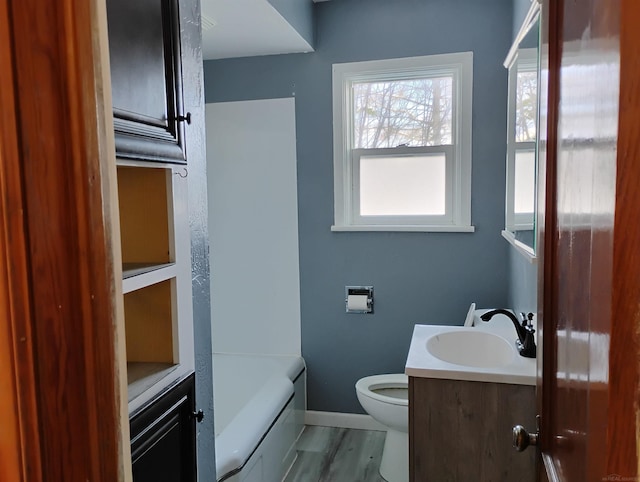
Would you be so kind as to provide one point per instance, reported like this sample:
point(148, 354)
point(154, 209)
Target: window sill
point(520, 247)
point(417, 229)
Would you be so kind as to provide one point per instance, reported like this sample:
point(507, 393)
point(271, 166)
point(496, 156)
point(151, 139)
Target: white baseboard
point(342, 420)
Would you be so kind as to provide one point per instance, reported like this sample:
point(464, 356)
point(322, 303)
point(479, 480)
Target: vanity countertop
point(420, 363)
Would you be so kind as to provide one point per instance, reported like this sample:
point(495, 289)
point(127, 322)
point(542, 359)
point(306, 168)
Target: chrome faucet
point(526, 342)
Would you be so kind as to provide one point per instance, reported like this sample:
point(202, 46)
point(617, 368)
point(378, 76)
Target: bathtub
point(259, 404)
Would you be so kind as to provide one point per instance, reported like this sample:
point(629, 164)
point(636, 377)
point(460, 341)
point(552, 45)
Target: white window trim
point(461, 65)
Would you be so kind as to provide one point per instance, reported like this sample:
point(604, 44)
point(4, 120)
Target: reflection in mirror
point(523, 148)
point(523, 66)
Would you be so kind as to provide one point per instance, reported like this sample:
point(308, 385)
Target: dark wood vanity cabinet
point(146, 80)
point(461, 431)
point(163, 437)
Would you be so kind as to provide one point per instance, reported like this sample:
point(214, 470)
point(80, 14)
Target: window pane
point(526, 106)
point(415, 112)
point(403, 186)
point(525, 174)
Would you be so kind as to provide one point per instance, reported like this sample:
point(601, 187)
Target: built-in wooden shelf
point(156, 277)
point(149, 322)
point(146, 215)
point(129, 270)
point(143, 375)
point(140, 275)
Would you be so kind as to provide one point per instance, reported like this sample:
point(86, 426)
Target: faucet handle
point(530, 319)
point(527, 319)
point(523, 315)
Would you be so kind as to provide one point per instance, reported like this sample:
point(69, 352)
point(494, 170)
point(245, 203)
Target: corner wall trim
point(343, 420)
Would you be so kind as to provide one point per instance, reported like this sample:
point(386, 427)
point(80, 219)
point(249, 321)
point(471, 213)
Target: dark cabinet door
point(146, 79)
point(163, 437)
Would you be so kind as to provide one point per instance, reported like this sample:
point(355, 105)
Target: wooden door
point(63, 410)
point(590, 241)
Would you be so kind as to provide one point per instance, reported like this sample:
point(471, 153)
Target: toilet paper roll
point(357, 303)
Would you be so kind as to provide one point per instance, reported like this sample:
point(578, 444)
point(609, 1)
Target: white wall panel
point(253, 226)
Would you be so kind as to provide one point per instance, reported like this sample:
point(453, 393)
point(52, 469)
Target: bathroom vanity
point(467, 389)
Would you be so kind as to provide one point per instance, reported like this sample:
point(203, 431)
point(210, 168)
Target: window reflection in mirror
point(522, 63)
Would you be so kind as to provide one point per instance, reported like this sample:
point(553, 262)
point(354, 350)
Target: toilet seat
point(366, 386)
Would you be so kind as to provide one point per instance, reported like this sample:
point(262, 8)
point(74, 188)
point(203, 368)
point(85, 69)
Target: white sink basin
point(471, 348)
point(485, 352)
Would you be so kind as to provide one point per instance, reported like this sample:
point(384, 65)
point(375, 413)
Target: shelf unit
point(156, 281)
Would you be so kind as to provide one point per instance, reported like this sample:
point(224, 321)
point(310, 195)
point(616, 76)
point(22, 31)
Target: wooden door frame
point(60, 285)
point(550, 55)
point(20, 441)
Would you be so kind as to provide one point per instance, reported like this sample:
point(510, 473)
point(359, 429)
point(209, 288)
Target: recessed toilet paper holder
point(359, 299)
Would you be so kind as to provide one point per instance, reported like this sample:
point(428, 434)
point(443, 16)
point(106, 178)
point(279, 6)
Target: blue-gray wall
point(418, 277)
point(520, 9)
point(299, 14)
point(523, 279)
point(193, 83)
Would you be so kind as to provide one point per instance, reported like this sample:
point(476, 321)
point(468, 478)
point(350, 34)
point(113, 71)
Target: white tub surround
point(515, 369)
point(259, 414)
point(253, 188)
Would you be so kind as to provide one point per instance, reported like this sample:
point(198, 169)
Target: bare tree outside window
point(526, 105)
point(524, 162)
point(412, 112)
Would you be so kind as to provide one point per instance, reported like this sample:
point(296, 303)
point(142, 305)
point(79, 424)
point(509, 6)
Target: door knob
point(522, 439)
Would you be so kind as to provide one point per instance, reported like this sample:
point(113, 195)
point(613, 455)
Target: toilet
point(386, 399)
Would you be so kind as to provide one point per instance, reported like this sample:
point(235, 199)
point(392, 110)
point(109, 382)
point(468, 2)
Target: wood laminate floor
point(328, 454)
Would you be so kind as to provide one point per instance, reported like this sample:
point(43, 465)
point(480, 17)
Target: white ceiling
point(243, 28)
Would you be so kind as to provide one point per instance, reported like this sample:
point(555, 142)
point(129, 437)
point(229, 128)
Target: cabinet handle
point(199, 416)
point(182, 118)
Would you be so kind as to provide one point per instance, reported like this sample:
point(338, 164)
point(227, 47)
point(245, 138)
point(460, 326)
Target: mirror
point(522, 124)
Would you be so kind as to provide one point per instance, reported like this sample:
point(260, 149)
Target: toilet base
point(394, 466)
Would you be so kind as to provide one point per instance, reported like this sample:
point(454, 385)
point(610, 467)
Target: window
point(521, 141)
point(402, 144)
